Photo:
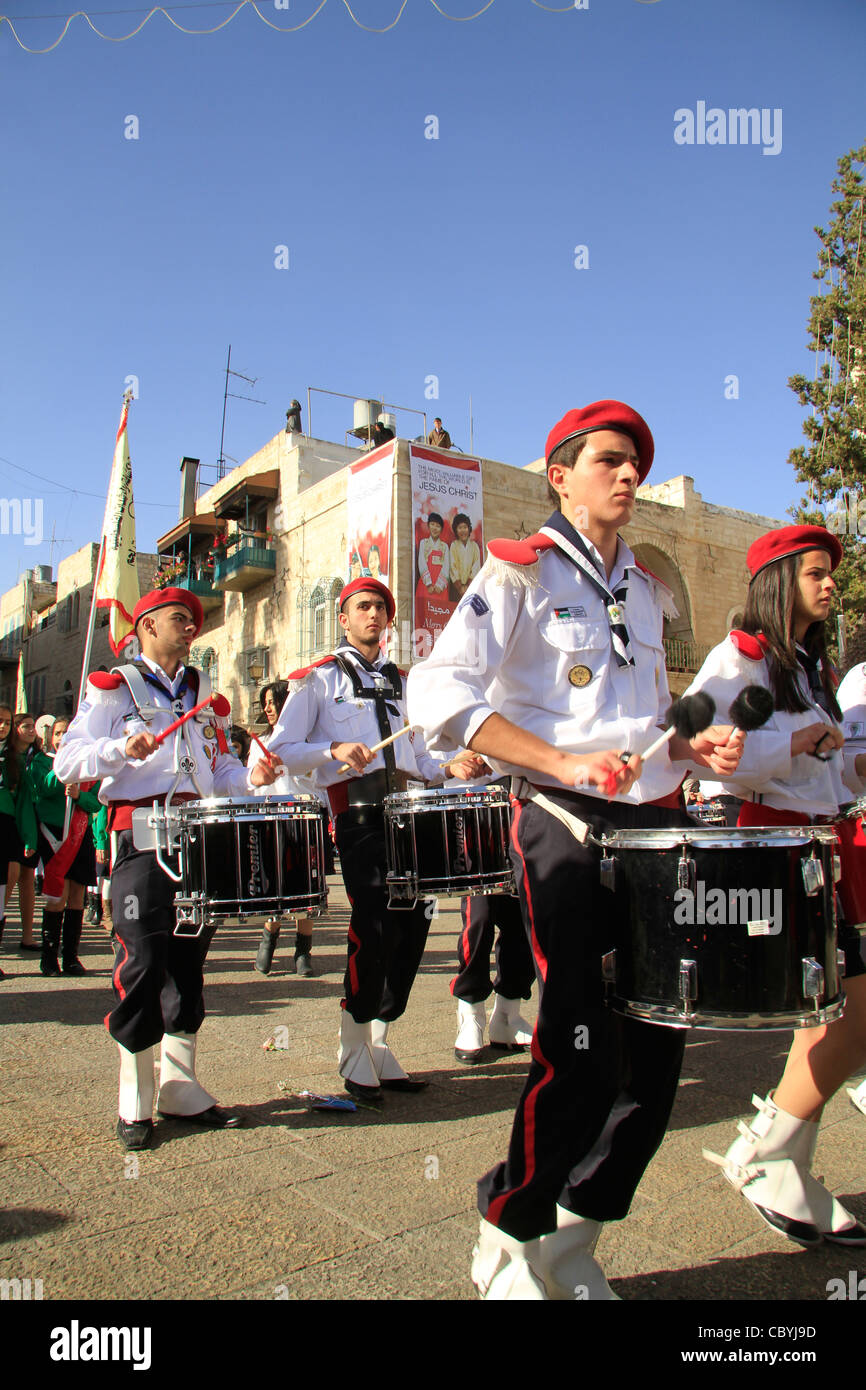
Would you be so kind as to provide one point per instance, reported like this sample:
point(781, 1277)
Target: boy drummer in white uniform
point(551, 666)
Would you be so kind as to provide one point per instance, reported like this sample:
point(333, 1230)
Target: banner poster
point(448, 541)
point(368, 515)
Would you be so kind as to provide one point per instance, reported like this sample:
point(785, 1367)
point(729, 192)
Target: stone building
point(47, 619)
point(265, 548)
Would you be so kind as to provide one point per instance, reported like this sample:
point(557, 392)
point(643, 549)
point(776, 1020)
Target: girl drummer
point(794, 771)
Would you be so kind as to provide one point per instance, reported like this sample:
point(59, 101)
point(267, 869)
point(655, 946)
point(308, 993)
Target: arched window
point(76, 606)
point(336, 590)
point(319, 624)
point(209, 663)
point(303, 617)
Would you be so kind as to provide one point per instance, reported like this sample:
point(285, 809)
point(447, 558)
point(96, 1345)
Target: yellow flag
point(21, 693)
point(117, 581)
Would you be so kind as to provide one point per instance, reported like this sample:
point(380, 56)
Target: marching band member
point(794, 771)
point(272, 698)
point(484, 916)
point(158, 980)
point(335, 710)
point(552, 664)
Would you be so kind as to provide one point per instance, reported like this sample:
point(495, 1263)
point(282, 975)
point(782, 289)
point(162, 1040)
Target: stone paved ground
point(330, 1206)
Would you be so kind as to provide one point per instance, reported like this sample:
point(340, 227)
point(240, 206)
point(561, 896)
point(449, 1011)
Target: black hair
point(769, 610)
point(566, 455)
point(240, 735)
point(279, 691)
point(461, 516)
point(434, 516)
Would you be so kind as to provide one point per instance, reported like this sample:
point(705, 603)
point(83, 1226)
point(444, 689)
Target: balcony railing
point(684, 656)
point(204, 589)
point(249, 563)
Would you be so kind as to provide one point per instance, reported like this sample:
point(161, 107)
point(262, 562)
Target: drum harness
point(137, 677)
point(380, 694)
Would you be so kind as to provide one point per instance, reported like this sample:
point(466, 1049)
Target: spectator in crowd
point(24, 744)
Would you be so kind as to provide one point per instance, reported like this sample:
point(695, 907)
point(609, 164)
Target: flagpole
point(91, 623)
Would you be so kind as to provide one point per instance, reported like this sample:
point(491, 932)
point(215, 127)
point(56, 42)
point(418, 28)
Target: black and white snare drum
point(452, 842)
point(249, 858)
point(724, 928)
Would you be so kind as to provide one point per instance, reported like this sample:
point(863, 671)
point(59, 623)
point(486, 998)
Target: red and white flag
point(117, 581)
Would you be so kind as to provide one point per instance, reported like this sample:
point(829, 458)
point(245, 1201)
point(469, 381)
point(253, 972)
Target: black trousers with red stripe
point(385, 944)
point(515, 968)
point(158, 978)
point(601, 1087)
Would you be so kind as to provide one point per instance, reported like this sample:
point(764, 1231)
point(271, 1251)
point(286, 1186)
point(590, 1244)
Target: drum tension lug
point(608, 967)
point(813, 875)
point(607, 872)
point(813, 978)
point(687, 872)
point(688, 987)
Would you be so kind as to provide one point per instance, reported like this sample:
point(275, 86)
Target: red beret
point(164, 598)
point(605, 415)
point(791, 540)
point(375, 586)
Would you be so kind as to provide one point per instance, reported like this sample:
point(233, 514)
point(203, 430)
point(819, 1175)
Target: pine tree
point(833, 461)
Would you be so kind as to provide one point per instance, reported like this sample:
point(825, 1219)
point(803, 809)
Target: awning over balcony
point(247, 495)
point(201, 527)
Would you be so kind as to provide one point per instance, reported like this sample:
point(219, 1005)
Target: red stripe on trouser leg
point(540, 958)
point(495, 1208)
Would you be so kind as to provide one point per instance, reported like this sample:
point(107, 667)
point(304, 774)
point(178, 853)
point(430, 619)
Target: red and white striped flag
point(117, 581)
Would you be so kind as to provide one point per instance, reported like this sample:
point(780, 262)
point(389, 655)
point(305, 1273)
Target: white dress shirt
point(767, 772)
point(322, 709)
point(94, 746)
point(533, 643)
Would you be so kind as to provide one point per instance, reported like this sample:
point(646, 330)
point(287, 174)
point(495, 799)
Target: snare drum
point(451, 842)
point(258, 858)
point(724, 928)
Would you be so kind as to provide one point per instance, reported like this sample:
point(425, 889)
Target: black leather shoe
point(49, 966)
point(29, 946)
point(135, 1134)
point(74, 968)
point(404, 1083)
point(852, 1235)
point(213, 1118)
point(469, 1059)
point(304, 966)
point(367, 1095)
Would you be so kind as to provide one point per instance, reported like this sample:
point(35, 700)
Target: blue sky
point(409, 257)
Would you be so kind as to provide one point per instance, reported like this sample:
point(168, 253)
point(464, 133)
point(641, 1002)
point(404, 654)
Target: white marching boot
point(858, 1096)
point(566, 1263)
point(391, 1075)
point(471, 1022)
point(355, 1057)
point(386, 1064)
point(137, 1086)
point(769, 1164)
point(179, 1092)
point(507, 1029)
point(503, 1268)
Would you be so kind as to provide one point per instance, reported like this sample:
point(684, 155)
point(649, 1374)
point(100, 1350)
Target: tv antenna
point(251, 381)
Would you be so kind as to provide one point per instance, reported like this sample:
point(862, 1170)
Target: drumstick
point(257, 740)
point(221, 707)
point(347, 767)
point(750, 709)
point(688, 716)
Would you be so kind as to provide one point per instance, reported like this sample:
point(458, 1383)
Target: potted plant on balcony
point(168, 572)
point(220, 545)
